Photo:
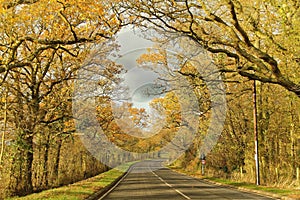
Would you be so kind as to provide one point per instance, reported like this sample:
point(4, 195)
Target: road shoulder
point(240, 188)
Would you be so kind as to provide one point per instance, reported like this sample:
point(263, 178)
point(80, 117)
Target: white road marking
point(182, 194)
point(162, 180)
point(112, 188)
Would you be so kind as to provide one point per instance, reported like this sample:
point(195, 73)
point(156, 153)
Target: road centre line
point(162, 180)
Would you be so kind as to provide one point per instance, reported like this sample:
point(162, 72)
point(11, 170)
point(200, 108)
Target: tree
point(43, 43)
point(259, 39)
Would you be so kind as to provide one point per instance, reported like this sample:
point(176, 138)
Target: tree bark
point(28, 188)
point(56, 162)
point(20, 183)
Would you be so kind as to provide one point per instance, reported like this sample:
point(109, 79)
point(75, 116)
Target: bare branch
point(13, 3)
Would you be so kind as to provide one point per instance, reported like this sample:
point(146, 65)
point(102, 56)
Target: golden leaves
point(55, 19)
point(151, 58)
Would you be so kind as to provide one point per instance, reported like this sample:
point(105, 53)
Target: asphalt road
point(147, 180)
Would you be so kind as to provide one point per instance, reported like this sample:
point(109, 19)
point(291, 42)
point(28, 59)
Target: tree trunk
point(56, 163)
point(28, 188)
point(45, 173)
point(20, 183)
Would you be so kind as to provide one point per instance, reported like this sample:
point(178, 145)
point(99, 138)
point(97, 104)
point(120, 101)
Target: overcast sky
point(132, 46)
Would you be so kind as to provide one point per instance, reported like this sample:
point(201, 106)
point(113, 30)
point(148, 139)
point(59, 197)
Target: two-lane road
point(147, 180)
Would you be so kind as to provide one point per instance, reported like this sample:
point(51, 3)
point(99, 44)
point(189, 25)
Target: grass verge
point(294, 193)
point(79, 190)
point(282, 192)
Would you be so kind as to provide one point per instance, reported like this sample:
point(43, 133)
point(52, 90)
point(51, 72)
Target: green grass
point(273, 190)
point(294, 193)
point(79, 190)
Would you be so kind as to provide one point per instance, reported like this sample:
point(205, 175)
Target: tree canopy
point(260, 39)
point(44, 45)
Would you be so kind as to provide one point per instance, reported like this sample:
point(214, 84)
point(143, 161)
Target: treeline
point(61, 161)
point(42, 46)
point(41, 149)
point(278, 137)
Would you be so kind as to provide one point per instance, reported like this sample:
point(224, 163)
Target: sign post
point(203, 162)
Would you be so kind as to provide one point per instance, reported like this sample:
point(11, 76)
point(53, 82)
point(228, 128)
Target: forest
point(63, 98)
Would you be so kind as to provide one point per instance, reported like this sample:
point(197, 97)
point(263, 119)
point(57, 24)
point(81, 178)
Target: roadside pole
point(203, 162)
point(256, 157)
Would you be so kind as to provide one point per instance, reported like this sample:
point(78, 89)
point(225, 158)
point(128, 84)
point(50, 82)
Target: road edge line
point(102, 193)
point(258, 192)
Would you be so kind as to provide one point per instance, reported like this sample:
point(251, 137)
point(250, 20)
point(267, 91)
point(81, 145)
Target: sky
point(137, 79)
point(141, 83)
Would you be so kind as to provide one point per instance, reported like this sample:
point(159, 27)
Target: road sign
point(203, 162)
point(202, 156)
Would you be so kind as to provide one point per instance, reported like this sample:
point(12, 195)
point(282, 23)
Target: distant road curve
point(156, 182)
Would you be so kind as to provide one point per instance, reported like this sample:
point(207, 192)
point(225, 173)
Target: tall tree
point(42, 45)
point(232, 28)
